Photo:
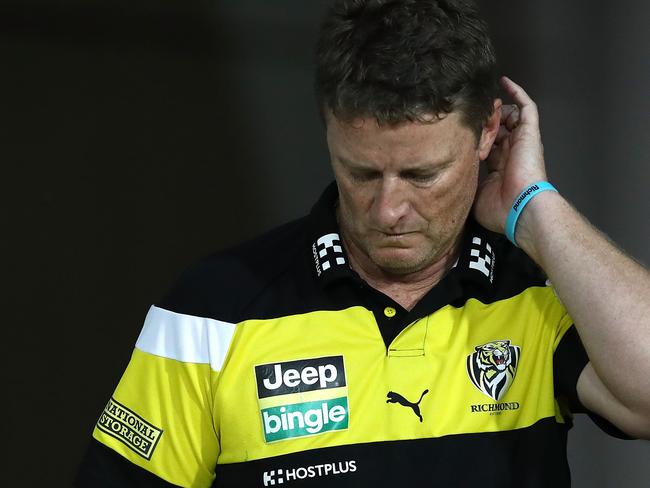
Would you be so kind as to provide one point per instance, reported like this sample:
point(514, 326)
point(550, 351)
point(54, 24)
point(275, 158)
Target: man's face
point(404, 191)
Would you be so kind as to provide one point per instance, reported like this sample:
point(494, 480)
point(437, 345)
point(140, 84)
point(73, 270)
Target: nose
point(390, 205)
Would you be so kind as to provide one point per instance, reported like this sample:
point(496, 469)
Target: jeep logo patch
point(303, 397)
point(299, 376)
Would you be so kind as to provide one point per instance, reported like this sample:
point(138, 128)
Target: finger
point(512, 121)
point(527, 107)
point(517, 93)
point(506, 111)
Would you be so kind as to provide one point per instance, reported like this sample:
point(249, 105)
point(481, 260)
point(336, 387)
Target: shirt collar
point(330, 262)
point(475, 267)
point(477, 258)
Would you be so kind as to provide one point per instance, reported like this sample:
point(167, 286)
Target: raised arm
point(606, 292)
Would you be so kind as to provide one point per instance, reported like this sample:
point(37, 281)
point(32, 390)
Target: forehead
point(364, 141)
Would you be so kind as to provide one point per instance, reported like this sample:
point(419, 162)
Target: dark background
point(140, 136)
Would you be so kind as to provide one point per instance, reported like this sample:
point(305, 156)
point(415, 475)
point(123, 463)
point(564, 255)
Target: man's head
point(407, 91)
point(403, 60)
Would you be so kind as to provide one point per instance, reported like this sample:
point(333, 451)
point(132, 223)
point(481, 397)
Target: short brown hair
point(404, 60)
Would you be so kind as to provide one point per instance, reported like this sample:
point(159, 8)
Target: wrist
point(523, 199)
point(534, 220)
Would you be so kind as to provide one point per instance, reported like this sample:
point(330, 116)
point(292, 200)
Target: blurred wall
point(140, 136)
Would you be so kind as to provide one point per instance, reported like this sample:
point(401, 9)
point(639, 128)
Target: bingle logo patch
point(492, 367)
point(128, 427)
point(307, 418)
point(303, 397)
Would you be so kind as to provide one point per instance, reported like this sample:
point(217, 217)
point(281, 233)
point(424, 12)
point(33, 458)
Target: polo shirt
point(274, 363)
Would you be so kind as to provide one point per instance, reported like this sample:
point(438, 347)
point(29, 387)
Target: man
point(393, 335)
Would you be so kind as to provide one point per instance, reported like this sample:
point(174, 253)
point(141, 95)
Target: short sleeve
point(160, 417)
point(569, 359)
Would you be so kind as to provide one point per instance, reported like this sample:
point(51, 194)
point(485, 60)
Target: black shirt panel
point(104, 468)
point(454, 461)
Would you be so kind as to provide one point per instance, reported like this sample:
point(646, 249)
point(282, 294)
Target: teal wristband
point(520, 202)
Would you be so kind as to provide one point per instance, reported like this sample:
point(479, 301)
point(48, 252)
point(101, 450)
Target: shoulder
point(220, 286)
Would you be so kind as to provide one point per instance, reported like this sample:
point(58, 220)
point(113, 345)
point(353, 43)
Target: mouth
point(396, 235)
point(395, 238)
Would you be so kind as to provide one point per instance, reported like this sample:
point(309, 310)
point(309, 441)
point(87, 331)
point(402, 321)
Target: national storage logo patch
point(128, 427)
point(303, 397)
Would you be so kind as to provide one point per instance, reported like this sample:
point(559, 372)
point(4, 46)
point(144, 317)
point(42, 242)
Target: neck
point(405, 289)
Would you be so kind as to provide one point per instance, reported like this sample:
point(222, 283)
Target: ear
point(490, 130)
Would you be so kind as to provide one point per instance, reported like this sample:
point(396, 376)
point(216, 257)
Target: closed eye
point(363, 175)
point(419, 177)
point(425, 176)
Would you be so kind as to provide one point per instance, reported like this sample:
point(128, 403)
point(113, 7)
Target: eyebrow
point(355, 165)
point(423, 167)
point(428, 168)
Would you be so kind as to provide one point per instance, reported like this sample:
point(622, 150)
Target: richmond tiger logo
point(492, 367)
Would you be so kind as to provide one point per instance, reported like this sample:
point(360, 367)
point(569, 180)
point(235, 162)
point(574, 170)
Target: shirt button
point(390, 312)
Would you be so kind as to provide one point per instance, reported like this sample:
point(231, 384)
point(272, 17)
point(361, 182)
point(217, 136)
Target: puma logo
point(394, 397)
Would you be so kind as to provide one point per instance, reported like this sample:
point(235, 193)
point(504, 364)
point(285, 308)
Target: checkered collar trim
point(477, 258)
point(476, 263)
point(329, 258)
